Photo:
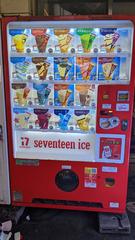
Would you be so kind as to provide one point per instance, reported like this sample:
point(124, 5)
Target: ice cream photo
point(64, 39)
point(41, 38)
point(21, 94)
point(109, 39)
point(84, 95)
point(86, 68)
point(41, 66)
point(87, 38)
point(82, 118)
point(63, 95)
point(109, 68)
point(43, 91)
point(19, 42)
point(43, 117)
point(64, 68)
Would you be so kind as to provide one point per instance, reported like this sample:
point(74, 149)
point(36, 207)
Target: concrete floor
point(70, 225)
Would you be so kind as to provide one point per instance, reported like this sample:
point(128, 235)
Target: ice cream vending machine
point(69, 84)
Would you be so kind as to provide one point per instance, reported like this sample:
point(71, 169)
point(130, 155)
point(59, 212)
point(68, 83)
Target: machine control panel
point(113, 103)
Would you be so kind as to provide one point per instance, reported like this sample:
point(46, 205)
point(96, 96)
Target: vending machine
point(69, 84)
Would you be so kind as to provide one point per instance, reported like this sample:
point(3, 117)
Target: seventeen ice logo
point(24, 142)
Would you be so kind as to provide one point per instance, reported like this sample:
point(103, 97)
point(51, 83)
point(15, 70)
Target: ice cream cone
point(110, 40)
point(108, 69)
point(68, 92)
point(19, 41)
point(42, 69)
point(42, 41)
point(64, 39)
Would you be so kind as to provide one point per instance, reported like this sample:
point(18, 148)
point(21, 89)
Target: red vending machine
point(69, 84)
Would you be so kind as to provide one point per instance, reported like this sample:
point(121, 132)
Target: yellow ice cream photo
point(83, 122)
point(108, 69)
point(19, 41)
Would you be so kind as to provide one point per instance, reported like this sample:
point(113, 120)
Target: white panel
point(55, 146)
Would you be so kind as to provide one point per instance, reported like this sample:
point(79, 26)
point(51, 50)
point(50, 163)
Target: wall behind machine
point(15, 7)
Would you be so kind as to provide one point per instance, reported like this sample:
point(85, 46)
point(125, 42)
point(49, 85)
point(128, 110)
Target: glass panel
point(55, 69)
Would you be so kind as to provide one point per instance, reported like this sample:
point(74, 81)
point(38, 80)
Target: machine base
point(114, 223)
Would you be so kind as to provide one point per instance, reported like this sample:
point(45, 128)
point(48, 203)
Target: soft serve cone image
point(115, 38)
point(41, 41)
point(26, 92)
point(86, 67)
point(41, 38)
point(108, 69)
point(62, 70)
point(69, 65)
point(64, 39)
point(42, 66)
point(68, 92)
point(41, 96)
point(110, 40)
point(42, 69)
point(62, 95)
point(87, 38)
point(86, 70)
point(43, 92)
point(113, 66)
point(19, 41)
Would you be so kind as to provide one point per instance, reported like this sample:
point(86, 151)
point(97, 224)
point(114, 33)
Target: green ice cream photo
point(87, 38)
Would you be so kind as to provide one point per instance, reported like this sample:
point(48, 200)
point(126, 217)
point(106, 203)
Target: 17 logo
point(24, 142)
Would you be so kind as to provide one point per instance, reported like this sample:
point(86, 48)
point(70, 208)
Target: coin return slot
point(106, 113)
point(109, 182)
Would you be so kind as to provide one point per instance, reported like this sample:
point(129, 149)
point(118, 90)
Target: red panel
point(42, 185)
point(110, 92)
